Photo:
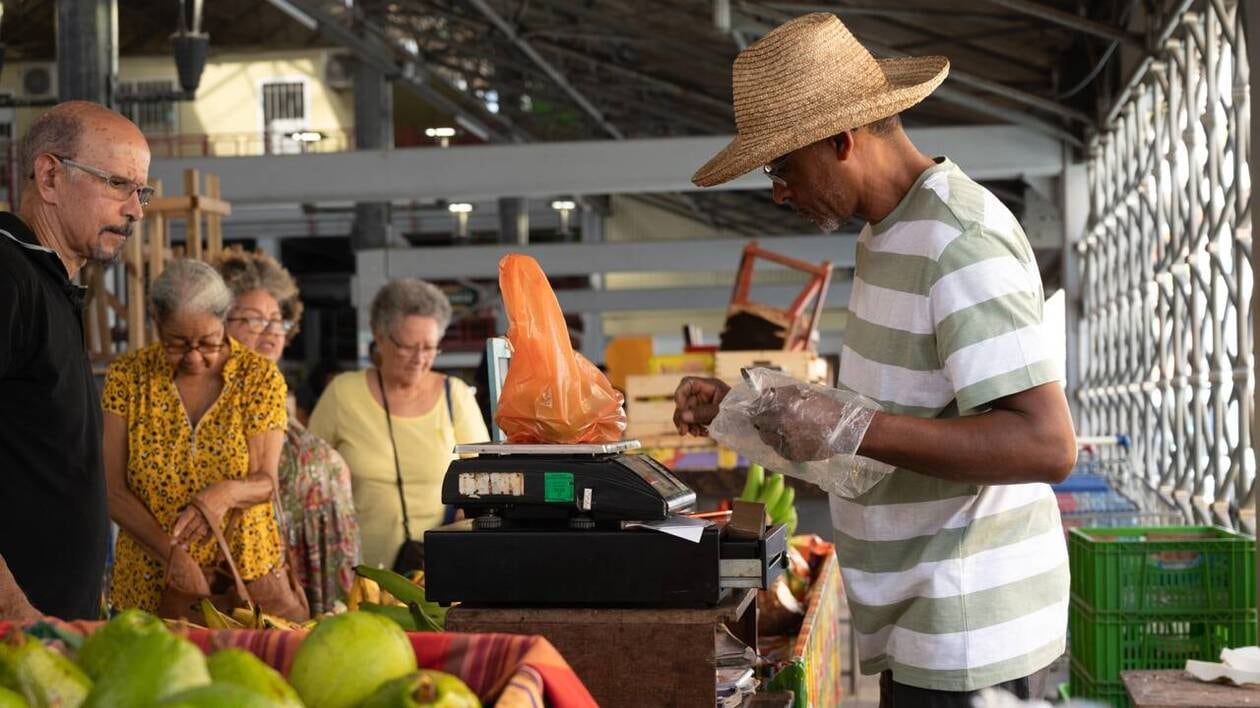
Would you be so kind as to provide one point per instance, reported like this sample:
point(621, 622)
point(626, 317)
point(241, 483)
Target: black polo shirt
point(54, 525)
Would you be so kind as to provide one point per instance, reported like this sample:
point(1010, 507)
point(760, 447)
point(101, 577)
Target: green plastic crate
point(1167, 569)
point(1106, 643)
point(1082, 685)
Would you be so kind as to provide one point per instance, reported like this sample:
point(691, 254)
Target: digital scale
point(594, 525)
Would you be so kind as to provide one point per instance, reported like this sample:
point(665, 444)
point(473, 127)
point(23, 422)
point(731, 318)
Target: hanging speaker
point(190, 52)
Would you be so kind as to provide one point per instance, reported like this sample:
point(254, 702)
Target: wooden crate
point(650, 406)
point(652, 386)
point(804, 366)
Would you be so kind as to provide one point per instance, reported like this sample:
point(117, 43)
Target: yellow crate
point(692, 363)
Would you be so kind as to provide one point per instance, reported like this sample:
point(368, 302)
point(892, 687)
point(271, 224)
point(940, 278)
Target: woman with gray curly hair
point(398, 422)
point(315, 492)
point(193, 426)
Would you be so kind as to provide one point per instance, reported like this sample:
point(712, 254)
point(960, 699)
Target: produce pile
point(358, 659)
point(375, 590)
point(772, 491)
point(782, 606)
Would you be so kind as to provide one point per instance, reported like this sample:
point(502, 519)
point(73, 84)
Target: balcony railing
point(251, 143)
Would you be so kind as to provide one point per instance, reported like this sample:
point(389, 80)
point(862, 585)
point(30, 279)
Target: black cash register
point(583, 525)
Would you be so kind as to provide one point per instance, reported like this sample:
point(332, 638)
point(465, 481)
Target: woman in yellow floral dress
point(194, 415)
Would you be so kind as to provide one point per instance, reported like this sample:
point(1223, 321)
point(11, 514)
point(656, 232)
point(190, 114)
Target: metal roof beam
point(551, 71)
point(1071, 21)
point(884, 10)
point(1012, 115)
point(309, 14)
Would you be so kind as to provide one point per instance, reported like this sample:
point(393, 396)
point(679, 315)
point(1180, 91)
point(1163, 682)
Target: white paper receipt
point(497, 484)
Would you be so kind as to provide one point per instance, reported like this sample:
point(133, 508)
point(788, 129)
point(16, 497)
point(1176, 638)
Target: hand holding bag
point(278, 592)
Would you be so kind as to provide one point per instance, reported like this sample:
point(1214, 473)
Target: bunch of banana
point(246, 618)
point(363, 590)
point(402, 601)
point(216, 619)
point(255, 618)
point(774, 493)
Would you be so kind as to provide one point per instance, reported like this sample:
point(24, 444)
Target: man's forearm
point(996, 447)
point(13, 602)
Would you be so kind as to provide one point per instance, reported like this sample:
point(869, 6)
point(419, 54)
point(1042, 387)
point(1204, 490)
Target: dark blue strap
point(450, 407)
point(449, 516)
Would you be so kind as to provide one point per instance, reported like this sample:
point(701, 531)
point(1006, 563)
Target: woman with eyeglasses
point(195, 415)
point(397, 422)
point(315, 492)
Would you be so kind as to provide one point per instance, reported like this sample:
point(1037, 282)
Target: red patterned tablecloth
point(504, 670)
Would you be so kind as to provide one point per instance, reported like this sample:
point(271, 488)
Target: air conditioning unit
point(38, 81)
point(339, 71)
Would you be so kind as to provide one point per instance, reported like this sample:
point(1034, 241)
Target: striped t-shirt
point(952, 586)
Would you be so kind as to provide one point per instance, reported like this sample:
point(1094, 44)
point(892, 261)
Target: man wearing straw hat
point(954, 564)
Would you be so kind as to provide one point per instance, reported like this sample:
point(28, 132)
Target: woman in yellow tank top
point(428, 412)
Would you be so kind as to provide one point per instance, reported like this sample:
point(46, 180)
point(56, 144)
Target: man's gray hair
point(55, 132)
point(189, 286)
point(404, 297)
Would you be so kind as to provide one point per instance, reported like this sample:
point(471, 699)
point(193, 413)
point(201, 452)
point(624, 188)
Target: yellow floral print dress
point(168, 461)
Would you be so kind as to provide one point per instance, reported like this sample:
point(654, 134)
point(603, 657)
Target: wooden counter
point(1176, 689)
point(629, 657)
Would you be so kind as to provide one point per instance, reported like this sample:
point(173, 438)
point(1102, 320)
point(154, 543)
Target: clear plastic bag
point(842, 473)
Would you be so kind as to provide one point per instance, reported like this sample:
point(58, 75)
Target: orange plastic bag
point(552, 394)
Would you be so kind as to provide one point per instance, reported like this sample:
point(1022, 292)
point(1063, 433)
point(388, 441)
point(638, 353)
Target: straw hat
point(809, 79)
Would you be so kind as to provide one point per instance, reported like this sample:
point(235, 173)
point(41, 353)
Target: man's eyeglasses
point(258, 325)
point(411, 350)
point(122, 187)
point(774, 171)
point(181, 347)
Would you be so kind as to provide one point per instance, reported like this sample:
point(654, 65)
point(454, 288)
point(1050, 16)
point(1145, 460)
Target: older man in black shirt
point(85, 169)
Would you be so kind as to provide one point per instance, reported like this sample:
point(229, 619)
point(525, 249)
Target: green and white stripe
point(952, 586)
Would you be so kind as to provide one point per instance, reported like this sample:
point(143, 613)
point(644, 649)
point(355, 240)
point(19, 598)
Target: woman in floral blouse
point(315, 488)
point(193, 416)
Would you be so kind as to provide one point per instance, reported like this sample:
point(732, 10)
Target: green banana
point(790, 521)
point(406, 591)
point(771, 491)
point(400, 615)
point(752, 483)
point(412, 617)
point(780, 509)
point(422, 619)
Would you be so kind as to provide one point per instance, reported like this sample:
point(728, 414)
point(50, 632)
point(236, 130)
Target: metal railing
point(248, 143)
point(1166, 272)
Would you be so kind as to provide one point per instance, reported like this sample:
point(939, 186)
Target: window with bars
point(284, 101)
point(1166, 273)
point(153, 117)
point(284, 113)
